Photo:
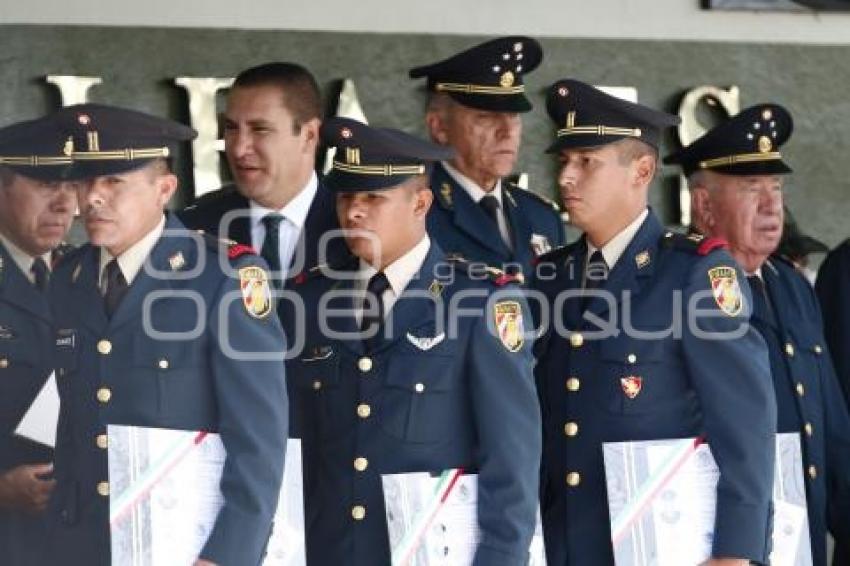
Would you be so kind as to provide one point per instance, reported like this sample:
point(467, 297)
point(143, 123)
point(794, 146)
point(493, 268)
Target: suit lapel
point(86, 299)
point(467, 216)
point(239, 230)
point(519, 226)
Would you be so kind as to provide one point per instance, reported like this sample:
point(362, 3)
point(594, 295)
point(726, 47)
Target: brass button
point(813, 472)
point(104, 395)
point(818, 349)
point(631, 358)
point(317, 384)
point(419, 387)
point(573, 384)
point(163, 364)
point(102, 441)
point(573, 479)
point(358, 512)
point(104, 347)
point(4, 363)
point(103, 488)
point(364, 364)
point(576, 340)
point(809, 429)
point(360, 464)
point(364, 410)
point(801, 390)
point(789, 349)
point(571, 429)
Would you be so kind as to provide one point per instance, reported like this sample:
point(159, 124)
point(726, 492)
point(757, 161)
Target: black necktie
point(491, 206)
point(116, 287)
point(374, 298)
point(595, 275)
point(761, 301)
point(40, 273)
point(271, 244)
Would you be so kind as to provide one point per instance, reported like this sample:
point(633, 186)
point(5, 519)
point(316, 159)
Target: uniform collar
point(476, 193)
point(22, 259)
point(295, 211)
point(400, 272)
point(133, 258)
point(615, 247)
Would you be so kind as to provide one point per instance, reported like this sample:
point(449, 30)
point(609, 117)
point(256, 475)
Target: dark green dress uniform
point(214, 363)
point(26, 338)
point(663, 351)
point(444, 390)
point(787, 315)
point(489, 77)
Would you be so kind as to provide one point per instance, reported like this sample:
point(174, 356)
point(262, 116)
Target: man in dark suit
point(36, 208)
point(277, 203)
point(474, 106)
point(395, 380)
point(735, 173)
point(157, 326)
point(652, 341)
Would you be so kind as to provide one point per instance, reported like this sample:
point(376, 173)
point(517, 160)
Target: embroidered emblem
point(256, 294)
point(509, 324)
point(726, 290)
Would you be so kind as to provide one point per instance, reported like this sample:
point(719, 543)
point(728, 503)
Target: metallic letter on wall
point(202, 112)
point(73, 90)
point(690, 129)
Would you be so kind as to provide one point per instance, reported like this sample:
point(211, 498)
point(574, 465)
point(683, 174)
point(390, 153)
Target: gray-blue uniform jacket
point(627, 388)
point(461, 226)
point(425, 400)
point(26, 342)
point(110, 371)
point(808, 398)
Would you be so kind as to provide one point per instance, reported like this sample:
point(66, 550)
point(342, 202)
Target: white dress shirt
point(22, 259)
point(133, 258)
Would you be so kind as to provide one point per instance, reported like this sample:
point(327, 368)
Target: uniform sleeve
point(508, 425)
point(731, 376)
point(253, 420)
point(832, 285)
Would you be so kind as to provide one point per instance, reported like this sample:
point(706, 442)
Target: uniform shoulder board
point(475, 270)
point(517, 190)
point(694, 243)
point(232, 248)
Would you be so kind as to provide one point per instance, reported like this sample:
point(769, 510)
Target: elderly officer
point(421, 389)
point(735, 174)
point(36, 208)
point(474, 106)
point(226, 377)
point(653, 345)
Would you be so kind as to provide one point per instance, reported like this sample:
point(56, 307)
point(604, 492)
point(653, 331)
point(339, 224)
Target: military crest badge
point(509, 325)
point(631, 385)
point(726, 290)
point(256, 294)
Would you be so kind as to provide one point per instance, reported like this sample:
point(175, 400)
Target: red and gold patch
point(256, 294)
point(509, 324)
point(727, 291)
point(631, 385)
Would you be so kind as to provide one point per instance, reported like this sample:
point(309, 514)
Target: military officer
point(422, 388)
point(213, 364)
point(36, 209)
point(652, 341)
point(735, 173)
point(474, 106)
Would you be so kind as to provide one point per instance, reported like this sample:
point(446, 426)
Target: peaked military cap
point(370, 158)
point(110, 139)
point(487, 76)
point(589, 117)
point(746, 144)
point(37, 148)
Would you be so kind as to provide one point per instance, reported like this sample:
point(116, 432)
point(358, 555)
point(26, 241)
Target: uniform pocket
point(314, 387)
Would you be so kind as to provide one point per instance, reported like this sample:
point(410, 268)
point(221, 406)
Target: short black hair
point(298, 86)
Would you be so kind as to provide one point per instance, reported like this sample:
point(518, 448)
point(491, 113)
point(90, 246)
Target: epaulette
point(475, 270)
point(693, 243)
point(535, 196)
point(232, 248)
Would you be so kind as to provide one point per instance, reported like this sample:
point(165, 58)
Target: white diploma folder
point(39, 422)
point(662, 498)
point(165, 496)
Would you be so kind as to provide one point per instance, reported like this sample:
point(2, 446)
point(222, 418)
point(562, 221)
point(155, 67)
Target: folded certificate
point(39, 422)
point(662, 498)
point(165, 497)
point(433, 520)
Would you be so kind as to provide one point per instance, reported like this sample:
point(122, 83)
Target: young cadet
point(159, 327)
point(413, 364)
point(653, 342)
